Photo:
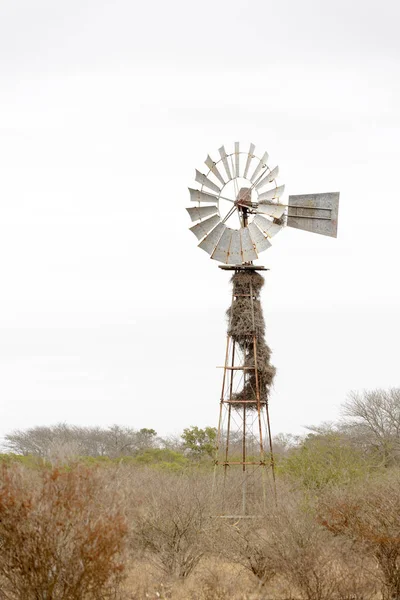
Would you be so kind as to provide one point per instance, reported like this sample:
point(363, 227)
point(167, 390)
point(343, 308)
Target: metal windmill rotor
point(250, 185)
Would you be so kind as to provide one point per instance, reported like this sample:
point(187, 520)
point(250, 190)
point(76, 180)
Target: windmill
point(237, 210)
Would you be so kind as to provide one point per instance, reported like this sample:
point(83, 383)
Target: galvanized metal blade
point(211, 165)
point(224, 157)
point(248, 251)
point(204, 227)
point(250, 157)
point(237, 160)
point(317, 213)
point(198, 196)
point(211, 240)
point(260, 241)
point(267, 227)
point(221, 251)
point(268, 178)
point(200, 178)
point(272, 194)
point(272, 210)
point(261, 165)
point(235, 249)
point(201, 212)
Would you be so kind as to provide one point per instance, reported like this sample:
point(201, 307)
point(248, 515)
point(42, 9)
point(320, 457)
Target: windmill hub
point(243, 198)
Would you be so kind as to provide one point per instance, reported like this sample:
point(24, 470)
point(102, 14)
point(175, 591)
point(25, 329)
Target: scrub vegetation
point(123, 514)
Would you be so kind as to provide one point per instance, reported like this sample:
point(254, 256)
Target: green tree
point(328, 459)
point(199, 442)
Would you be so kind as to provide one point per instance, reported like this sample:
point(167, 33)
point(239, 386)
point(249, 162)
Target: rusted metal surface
point(243, 402)
point(242, 368)
point(253, 462)
point(243, 268)
point(244, 196)
point(317, 213)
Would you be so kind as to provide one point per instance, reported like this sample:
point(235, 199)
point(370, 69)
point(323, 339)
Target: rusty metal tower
point(236, 216)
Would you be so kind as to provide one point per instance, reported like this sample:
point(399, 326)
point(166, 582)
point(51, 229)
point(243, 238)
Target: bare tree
point(372, 419)
point(172, 526)
point(50, 441)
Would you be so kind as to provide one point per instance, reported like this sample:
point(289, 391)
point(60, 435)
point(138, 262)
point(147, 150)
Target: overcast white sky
point(109, 313)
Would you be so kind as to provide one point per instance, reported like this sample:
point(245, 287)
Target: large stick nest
point(246, 322)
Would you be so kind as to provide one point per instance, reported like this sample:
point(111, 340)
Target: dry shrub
point(220, 581)
point(302, 551)
point(370, 516)
point(355, 577)
point(173, 523)
point(245, 320)
point(61, 535)
point(243, 544)
point(214, 579)
point(289, 543)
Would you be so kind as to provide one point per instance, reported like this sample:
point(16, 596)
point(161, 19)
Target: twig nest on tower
point(246, 327)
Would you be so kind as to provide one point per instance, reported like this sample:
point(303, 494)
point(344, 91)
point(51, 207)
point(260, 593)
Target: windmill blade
point(201, 212)
point(235, 249)
point(268, 178)
point(250, 157)
point(261, 165)
point(272, 194)
point(211, 165)
point(221, 251)
point(317, 213)
point(204, 227)
point(224, 157)
point(237, 161)
point(212, 239)
point(200, 178)
point(198, 196)
point(260, 242)
point(272, 210)
point(248, 252)
point(267, 227)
